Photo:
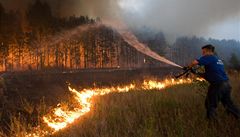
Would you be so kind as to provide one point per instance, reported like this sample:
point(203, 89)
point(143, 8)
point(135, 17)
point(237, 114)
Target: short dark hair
point(209, 47)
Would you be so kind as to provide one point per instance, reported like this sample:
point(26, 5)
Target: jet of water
point(120, 28)
point(132, 40)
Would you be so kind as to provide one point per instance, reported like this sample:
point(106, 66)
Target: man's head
point(208, 50)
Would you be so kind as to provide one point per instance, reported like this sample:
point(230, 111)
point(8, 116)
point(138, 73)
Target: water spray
point(134, 42)
point(130, 38)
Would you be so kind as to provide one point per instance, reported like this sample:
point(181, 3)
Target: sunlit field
point(172, 111)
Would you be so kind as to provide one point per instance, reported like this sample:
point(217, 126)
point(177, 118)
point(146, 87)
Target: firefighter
point(219, 89)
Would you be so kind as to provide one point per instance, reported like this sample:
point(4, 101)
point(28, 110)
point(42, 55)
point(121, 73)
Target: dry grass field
point(176, 111)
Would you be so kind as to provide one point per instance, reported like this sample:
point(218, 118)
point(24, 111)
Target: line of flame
point(61, 117)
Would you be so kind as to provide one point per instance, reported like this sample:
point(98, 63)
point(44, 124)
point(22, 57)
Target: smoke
point(133, 41)
point(120, 28)
point(15, 4)
point(173, 17)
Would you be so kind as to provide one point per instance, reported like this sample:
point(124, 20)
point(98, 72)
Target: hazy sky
point(208, 18)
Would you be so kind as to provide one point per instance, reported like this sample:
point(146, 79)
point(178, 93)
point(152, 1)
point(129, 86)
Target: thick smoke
point(133, 41)
point(174, 17)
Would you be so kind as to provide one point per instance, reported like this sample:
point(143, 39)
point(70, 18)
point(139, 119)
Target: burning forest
point(105, 72)
point(37, 43)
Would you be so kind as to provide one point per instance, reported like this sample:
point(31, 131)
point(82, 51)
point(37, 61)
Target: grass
point(176, 111)
point(173, 112)
point(20, 116)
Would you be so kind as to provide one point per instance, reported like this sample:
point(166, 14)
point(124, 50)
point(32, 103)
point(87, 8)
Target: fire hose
point(188, 70)
point(194, 70)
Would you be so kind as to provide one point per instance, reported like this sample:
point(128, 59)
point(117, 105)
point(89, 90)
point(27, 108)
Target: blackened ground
point(23, 91)
point(53, 84)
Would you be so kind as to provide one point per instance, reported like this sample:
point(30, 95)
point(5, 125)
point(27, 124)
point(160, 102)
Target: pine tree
point(234, 62)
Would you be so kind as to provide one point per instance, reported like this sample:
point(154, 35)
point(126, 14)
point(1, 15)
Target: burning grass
point(62, 116)
point(174, 111)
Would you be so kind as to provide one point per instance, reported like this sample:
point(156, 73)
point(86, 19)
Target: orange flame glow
point(62, 116)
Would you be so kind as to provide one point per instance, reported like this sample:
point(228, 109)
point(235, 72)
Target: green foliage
point(234, 62)
point(185, 49)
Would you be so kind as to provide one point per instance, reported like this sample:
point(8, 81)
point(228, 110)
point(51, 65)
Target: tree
point(234, 62)
point(187, 48)
point(2, 11)
point(156, 41)
point(39, 15)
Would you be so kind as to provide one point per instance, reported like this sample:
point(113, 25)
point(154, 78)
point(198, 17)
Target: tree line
point(185, 49)
point(38, 40)
point(27, 42)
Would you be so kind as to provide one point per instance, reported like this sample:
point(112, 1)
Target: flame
point(62, 116)
point(200, 79)
point(148, 85)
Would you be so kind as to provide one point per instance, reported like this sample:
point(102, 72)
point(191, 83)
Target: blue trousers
point(220, 92)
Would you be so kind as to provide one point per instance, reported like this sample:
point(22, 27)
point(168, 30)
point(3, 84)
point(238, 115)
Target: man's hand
point(194, 63)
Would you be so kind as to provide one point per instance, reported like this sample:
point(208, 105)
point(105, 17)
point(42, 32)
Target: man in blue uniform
point(219, 89)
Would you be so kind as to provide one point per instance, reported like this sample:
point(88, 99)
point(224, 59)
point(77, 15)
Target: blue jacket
point(214, 69)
